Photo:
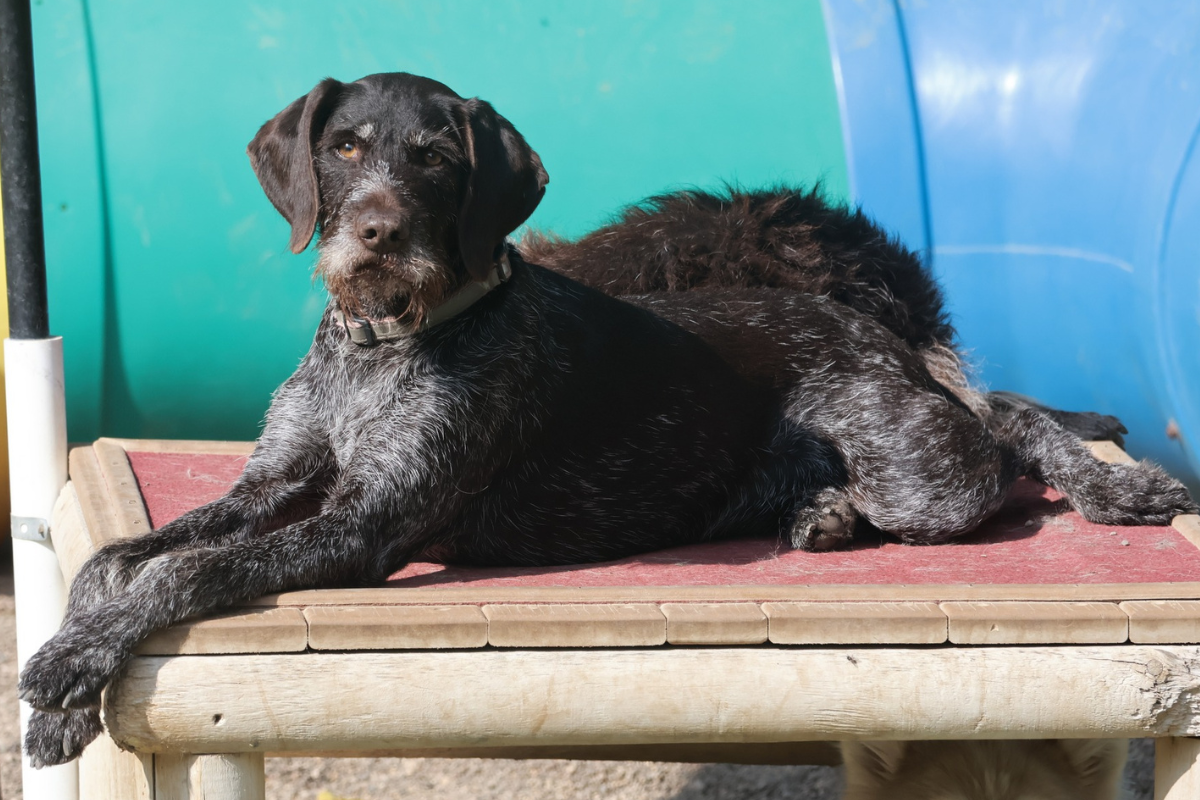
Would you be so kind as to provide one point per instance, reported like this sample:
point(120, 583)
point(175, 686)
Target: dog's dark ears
point(282, 156)
point(506, 184)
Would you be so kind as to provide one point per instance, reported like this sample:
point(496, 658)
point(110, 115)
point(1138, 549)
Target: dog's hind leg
point(1087, 425)
point(1109, 494)
point(995, 408)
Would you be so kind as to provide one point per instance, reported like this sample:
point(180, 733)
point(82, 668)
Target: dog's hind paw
point(56, 738)
point(1091, 426)
point(1134, 494)
point(826, 523)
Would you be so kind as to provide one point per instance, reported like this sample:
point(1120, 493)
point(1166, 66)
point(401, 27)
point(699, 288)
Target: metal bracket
point(34, 529)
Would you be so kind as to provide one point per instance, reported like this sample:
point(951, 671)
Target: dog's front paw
point(56, 738)
point(826, 524)
point(69, 671)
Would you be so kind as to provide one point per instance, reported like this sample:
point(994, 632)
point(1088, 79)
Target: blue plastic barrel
point(1046, 157)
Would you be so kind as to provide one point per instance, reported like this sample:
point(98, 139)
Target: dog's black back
point(773, 238)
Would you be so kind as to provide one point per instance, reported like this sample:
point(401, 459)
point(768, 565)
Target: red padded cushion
point(1034, 539)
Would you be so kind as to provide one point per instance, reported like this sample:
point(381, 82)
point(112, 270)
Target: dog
point(793, 239)
point(461, 404)
point(1059, 769)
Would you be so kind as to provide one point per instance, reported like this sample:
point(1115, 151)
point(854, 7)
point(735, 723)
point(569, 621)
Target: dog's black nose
point(381, 230)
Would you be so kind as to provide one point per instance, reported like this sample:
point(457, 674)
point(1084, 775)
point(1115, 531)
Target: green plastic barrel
point(171, 281)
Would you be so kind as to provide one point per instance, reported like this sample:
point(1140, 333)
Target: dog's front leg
point(337, 547)
point(284, 481)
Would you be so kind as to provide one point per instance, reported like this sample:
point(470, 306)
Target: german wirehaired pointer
point(463, 404)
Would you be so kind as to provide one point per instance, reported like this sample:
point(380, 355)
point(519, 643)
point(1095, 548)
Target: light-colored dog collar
point(369, 332)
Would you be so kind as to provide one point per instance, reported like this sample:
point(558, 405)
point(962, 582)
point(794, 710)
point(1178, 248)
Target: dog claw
point(828, 524)
point(73, 698)
point(54, 738)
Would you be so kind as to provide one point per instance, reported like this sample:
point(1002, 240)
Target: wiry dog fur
point(787, 239)
point(546, 424)
point(1062, 769)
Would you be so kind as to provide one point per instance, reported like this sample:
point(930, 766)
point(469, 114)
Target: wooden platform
point(652, 657)
point(644, 607)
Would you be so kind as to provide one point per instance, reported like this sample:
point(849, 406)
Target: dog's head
point(412, 187)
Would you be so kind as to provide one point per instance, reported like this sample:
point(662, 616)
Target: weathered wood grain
point(1189, 526)
point(477, 595)
point(108, 773)
point(395, 627)
point(626, 696)
point(124, 495)
point(1163, 621)
point(275, 630)
point(93, 495)
point(1176, 769)
point(1036, 623)
point(856, 623)
point(184, 446)
point(715, 623)
point(211, 777)
point(69, 533)
point(576, 625)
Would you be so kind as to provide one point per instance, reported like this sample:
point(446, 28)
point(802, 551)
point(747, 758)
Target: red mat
point(1034, 539)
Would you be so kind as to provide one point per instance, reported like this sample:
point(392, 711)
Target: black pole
point(20, 177)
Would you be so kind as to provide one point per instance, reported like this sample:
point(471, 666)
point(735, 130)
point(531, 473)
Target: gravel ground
point(475, 779)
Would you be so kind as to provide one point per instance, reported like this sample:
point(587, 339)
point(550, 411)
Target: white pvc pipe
point(37, 469)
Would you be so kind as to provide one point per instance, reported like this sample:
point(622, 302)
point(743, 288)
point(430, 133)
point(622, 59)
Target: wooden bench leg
point(223, 777)
point(106, 772)
point(1176, 769)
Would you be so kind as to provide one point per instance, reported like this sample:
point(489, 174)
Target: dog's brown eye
point(347, 150)
point(432, 158)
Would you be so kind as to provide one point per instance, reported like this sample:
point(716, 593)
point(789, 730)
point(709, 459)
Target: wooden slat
point(201, 447)
point(395, 627)
point(93, 495)
point(856, 623)
point(1189, 526)
point(1163, 621)
point(276, 630)
point(1110, 453)
point(778, 753)
point(329, 702)
point(124, 494)
point(576, 625)
point(108, 773)
point(69, 533)
point(715, 623)
point(1176, 769)
point(238, 776)
point(473, 595)
point(1036, 623)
